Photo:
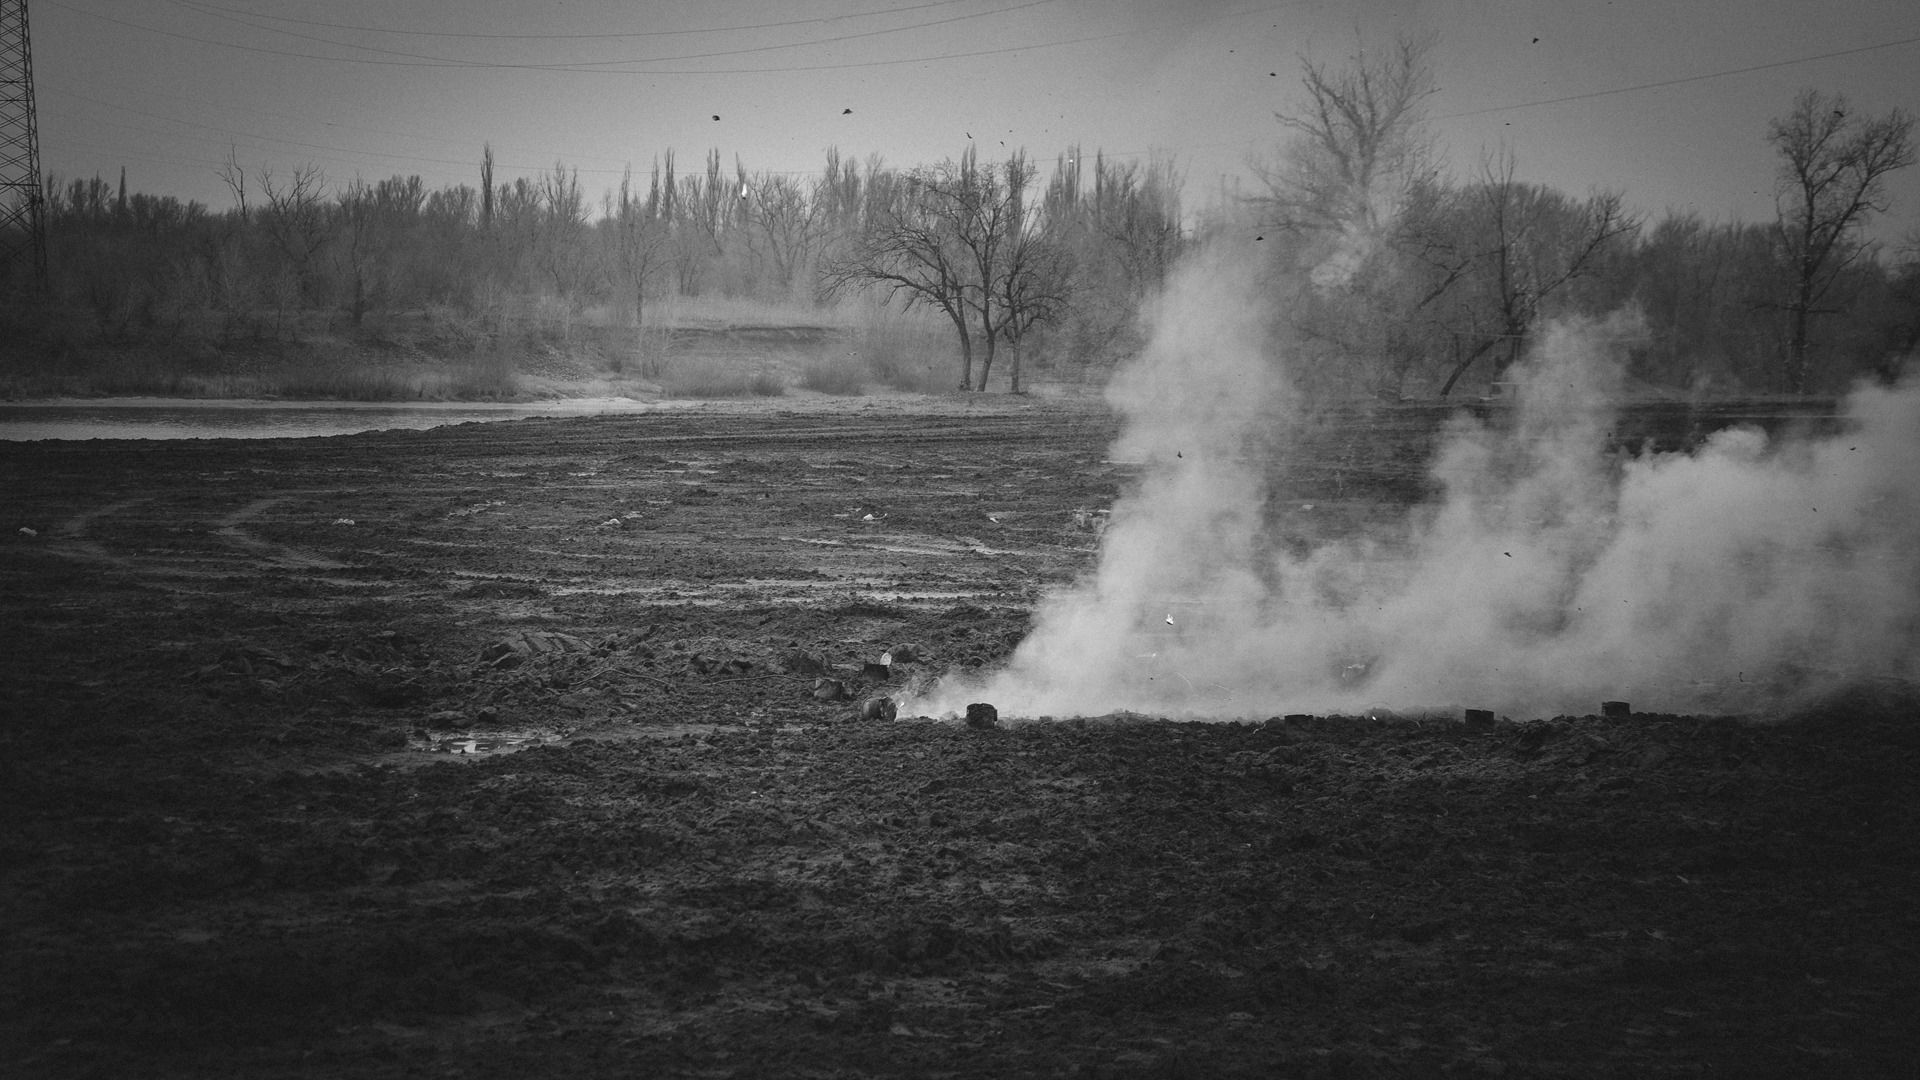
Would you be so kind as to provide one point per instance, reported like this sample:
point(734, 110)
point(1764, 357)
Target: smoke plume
point(1546, 575)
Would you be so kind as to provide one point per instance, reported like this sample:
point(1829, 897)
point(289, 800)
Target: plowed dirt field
point(537, 749)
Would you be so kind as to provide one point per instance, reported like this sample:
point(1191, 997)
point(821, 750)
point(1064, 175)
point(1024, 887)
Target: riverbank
point(243, 418)
point(710, 349)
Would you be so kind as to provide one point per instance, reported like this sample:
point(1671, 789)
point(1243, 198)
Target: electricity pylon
point(23, 231)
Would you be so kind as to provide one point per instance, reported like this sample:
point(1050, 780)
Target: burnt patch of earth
point(496, 750)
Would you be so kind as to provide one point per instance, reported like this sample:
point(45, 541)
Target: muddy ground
point(502, 751)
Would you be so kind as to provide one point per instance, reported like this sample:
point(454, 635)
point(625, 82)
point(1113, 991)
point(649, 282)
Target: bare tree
point(1832, 178)
point(296, 217)
point(486, 187)
point(787, 223)
point(639, 240)
point(1035, 285)
point(1356, 156)
point(1359, 143)
point(563, 251)
point(955, 237)
point(235, 177)
point(1537, 242)
point(357, 248)
point(908, 250)
point(985, 215)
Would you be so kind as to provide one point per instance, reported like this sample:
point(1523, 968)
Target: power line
point(590, 64)
point(600, 36)
point(227, 136)
point(421, 60)
point(1681, 81)
point(280, 117)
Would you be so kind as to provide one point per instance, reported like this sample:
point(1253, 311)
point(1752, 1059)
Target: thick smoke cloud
point(1546, 576)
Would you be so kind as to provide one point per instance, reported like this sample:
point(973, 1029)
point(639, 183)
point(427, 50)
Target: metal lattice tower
point(23, 233)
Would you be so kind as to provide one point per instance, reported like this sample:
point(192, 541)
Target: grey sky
point(371, 89)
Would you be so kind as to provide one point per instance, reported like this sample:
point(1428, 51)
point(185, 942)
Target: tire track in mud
point(229, 529)
point(71, 538)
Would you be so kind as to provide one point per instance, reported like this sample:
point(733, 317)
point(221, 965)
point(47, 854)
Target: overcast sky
point(1666, 101)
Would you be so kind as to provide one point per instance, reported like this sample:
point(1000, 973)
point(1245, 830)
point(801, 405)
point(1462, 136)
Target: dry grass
point(705, 377)
point(841, 374)
point(906, 351)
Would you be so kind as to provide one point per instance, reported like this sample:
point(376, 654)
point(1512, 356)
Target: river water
point(173, 418)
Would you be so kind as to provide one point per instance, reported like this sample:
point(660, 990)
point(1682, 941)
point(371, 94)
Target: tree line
point(296, 249)
point(1390, 277)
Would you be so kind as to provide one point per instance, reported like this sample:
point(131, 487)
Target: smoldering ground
point(1548, 572)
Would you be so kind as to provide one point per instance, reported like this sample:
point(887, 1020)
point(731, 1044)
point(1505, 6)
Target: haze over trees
point(1401, 281)
point(1393, 274)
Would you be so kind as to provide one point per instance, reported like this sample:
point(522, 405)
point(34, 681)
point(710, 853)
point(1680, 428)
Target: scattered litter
point(343, 521)
point(24, 531)
point(611, 523)
point(869, 517)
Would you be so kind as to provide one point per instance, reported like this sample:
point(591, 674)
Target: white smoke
point(1547, 576)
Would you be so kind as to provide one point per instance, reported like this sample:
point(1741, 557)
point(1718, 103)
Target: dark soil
point(506, 750)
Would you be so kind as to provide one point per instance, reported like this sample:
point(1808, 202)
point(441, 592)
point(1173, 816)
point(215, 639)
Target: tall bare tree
point(563, 252)
point(1832, 178)
point(486, 187)
point(1357, 154)
point(639, 244)
point(1359, 144)
point(235, 177)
